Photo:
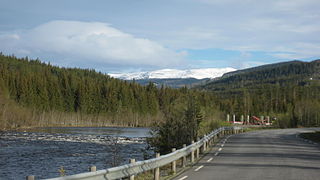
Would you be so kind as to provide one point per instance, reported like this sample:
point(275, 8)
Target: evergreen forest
point(289, 92)
point(37, 94)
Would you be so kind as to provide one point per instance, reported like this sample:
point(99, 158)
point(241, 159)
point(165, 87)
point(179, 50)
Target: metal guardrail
point(143, 166)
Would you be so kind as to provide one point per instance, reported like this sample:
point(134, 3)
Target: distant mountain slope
point(175, 74)
point(288, 91)
point(174, 78)
point(173, 82)
point(280, 73)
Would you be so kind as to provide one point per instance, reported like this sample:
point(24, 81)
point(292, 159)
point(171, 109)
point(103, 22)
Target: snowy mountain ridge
point(175, 73)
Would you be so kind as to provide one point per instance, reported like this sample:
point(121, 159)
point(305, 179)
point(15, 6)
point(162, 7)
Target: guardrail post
point(93, 169)
point(192, 153)
point(173, 163)
point(30, 178)
point(197, 153)
point(157, 170)
point(131, 162)
point(184, 158)
point(206, 145)
point(198, 149)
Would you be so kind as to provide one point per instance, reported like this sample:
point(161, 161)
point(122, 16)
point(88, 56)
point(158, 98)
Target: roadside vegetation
point(183, 124)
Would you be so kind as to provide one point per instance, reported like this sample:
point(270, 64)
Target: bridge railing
point(134, 168)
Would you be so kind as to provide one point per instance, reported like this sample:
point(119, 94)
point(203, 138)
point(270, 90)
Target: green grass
point(313, 136)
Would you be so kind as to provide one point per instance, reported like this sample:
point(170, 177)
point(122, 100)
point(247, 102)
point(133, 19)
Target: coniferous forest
point(33, 93)
point(289, 92)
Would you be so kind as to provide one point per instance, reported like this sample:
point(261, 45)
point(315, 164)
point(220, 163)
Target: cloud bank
point(87, 43)
point(283, 29)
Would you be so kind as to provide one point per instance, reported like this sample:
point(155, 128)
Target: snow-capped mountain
point(175, 73)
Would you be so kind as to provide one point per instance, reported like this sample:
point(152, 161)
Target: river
point(42, 152)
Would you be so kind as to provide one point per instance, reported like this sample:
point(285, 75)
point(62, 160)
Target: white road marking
point(216, 154)
point(209, 160)
point(198, 168)
point(222, 145)
point(184, 177)
point(219, 149)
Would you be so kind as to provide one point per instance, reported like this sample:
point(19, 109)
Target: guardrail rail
point(134, 168)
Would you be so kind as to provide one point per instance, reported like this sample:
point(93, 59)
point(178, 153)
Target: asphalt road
point(265, 154)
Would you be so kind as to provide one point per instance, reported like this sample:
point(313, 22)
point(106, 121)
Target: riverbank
point(25, 129)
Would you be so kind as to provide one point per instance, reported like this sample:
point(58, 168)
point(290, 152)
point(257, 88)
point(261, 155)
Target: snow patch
point(175, 73)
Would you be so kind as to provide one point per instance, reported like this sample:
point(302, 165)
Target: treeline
point(288, 91)
point(34, 93)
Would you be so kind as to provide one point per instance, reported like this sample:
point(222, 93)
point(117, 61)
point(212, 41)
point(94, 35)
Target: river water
point(43, 151)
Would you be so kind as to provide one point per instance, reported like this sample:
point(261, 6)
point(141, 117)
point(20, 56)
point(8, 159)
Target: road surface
point(265, 154)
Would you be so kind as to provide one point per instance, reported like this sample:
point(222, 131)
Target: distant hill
point(289, 91)
point(173, 82)
point(174, 78)
point(201, 73)
point(296, 72)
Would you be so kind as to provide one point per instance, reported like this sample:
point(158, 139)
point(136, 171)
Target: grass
point(313, 136)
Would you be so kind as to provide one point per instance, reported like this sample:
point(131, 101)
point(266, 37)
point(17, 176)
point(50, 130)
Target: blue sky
point(136, 35)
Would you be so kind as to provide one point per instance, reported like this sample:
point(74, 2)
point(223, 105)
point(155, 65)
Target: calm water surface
point(42, 151)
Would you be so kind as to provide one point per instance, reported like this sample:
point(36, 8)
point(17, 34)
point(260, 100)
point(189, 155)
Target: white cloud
point(251, 25)
point(88, 43)
point(249, 64)
point(281, 28)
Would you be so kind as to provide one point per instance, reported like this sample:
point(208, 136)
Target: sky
point(139, 35)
